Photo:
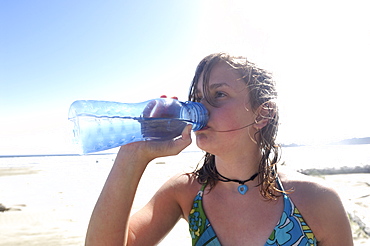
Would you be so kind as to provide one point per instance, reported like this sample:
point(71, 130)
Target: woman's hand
point(146, 151)
point(162, 108)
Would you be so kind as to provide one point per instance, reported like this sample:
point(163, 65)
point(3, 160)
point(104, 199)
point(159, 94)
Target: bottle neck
point(197, 114)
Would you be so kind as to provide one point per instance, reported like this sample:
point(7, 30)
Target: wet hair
point(262, 92)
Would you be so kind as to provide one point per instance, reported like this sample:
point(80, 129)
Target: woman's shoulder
point(185, 183)
point(306, 188)
point(184, 187)
point(319, 204)
point(181, 188)
point(309, 193)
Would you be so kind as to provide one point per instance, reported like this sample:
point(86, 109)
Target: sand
point(51, 203)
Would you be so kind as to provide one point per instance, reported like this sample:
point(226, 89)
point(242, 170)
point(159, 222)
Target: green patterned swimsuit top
point(290, 230)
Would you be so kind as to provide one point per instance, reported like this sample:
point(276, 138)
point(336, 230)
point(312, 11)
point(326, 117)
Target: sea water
point(326, 156)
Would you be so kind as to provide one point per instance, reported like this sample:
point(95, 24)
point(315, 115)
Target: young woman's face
point(230, 113)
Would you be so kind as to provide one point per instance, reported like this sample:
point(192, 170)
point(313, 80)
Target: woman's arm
point(150, 224)
point(109, 223)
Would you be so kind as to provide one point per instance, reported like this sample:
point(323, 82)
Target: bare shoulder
point(184, 187)
point(304, 186)
point(309, 193)
point(320, 206)
point(184, 182)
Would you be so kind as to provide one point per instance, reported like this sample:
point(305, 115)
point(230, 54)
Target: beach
point(50, 199)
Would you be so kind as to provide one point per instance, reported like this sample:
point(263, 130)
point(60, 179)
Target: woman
point(237, 197)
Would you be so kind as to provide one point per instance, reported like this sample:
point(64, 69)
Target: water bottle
point(102, 125)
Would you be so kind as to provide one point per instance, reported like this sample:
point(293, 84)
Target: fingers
point(164, 96)
point(149, 108)
point(149, 150)
point(162, 109)
point(175, 146)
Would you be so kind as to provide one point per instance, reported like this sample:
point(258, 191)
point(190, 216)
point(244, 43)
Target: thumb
point(185, 135)
point(185, 139)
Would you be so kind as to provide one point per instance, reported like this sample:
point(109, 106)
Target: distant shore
point(349, 141)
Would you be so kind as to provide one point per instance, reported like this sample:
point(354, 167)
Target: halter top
point(291, 228)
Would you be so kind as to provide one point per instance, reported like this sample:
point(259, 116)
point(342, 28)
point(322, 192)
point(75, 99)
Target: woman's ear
point(265, 113)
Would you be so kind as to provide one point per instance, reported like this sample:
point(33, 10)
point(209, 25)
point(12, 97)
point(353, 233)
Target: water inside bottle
point(161, 128)
point(100, 133)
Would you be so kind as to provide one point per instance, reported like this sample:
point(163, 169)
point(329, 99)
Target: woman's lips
point(204, 128)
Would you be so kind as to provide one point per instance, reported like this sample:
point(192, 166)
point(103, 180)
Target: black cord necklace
point(242, 188)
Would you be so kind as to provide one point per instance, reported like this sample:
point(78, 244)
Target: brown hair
point(262, 92)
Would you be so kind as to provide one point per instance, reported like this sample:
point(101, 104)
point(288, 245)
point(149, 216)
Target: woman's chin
point(202, 142)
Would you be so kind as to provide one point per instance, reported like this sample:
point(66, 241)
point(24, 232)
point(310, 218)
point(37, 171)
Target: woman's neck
point(239, 167)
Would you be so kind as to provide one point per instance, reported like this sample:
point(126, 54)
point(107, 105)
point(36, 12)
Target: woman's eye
point(219, 94)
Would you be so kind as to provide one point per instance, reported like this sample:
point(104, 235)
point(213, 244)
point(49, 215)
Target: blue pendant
point(242, 189)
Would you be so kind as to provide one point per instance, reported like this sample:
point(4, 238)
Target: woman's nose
point(205, 104)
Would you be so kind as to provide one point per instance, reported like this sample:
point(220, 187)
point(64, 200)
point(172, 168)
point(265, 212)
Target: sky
point(55, 52)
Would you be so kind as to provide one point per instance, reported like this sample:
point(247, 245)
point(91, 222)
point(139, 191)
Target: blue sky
point(55, 52)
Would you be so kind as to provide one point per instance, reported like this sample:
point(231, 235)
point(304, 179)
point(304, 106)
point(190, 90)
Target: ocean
point(302, 157)
point(326, 156)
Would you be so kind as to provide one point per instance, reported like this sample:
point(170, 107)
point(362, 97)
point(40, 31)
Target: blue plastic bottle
point(102, 125)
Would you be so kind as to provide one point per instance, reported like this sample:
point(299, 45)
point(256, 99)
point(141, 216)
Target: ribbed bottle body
point(102, 125)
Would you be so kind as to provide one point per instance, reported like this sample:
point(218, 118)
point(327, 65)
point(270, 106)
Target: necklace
point(242, 188)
